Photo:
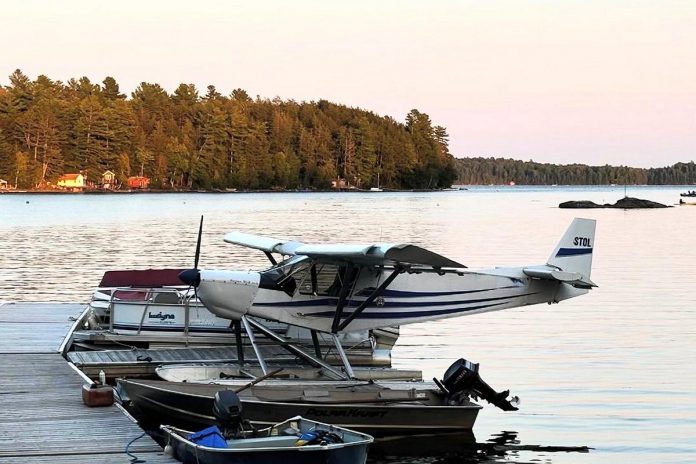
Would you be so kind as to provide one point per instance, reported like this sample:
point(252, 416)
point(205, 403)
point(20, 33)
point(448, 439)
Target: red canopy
point(142, 278)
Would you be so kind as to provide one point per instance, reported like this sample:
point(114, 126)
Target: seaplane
point(339, 288)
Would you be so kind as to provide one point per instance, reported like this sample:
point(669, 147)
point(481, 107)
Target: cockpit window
point(282, 276)
point(290, 261)
point(326, 279)
point(299, 273)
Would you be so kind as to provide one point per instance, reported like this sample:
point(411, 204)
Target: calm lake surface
point(614, 370)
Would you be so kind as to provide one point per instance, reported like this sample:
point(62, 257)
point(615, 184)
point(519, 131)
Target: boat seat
point(166, 298)
point(315, 393)
point(262, 442)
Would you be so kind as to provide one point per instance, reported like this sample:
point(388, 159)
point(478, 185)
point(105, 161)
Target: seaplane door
point(326, 281)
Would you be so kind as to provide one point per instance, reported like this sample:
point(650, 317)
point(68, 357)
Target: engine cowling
point(228, 294)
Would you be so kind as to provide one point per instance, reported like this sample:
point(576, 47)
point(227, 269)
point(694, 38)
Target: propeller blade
point(198, 245)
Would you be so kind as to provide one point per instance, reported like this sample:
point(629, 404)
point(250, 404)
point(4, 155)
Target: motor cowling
point(462, 377)
point(227, 410)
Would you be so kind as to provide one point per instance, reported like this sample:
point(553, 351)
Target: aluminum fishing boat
point(294, 441)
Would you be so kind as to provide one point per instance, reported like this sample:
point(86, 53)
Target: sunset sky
point(593, 82)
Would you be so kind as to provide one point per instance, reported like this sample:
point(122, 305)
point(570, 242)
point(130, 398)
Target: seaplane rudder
point(574, 252)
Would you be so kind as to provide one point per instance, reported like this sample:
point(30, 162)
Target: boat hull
point(190, 406)
point(131, 318)
point(192, 455)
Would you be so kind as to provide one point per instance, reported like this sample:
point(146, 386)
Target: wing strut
point(371, 298)
point(348, 278)
point(270, 257)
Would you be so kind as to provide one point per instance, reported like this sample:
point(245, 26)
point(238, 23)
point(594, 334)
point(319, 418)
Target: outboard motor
point(462, 377)
point(227, 410)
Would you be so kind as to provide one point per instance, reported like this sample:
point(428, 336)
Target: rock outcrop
point(624, 203)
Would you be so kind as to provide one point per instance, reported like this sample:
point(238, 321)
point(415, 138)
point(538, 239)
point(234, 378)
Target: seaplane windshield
point(280, 276)
point(287, 265)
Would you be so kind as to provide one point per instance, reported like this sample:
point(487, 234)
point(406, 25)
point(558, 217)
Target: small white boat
point(155, 302)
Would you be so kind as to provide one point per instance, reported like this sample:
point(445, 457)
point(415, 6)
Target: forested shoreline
point(189, 140)
point(485, 171)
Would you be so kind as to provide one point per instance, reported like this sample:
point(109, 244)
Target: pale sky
point(595, 82)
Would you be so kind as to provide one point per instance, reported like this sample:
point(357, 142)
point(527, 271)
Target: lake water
point(613, 370)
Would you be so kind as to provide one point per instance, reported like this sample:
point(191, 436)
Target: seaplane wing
point(377, 254)
point(374, 254)
point(265, 244)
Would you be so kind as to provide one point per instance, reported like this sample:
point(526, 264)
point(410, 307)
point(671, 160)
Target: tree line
point(189, 140)
point(477, 171)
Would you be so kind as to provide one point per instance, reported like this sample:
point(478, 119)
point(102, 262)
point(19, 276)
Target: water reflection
point(462, 448)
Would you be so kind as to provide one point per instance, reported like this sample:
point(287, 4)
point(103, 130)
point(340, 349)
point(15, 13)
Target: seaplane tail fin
point(573, 254)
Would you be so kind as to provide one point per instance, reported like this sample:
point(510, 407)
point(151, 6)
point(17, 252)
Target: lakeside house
point(108, 180)
point(138, 182)
point(72, 181)
point(3, 184)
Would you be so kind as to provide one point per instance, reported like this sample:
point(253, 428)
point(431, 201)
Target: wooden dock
point(42, 417)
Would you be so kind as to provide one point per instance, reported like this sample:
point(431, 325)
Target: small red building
point(138, 182)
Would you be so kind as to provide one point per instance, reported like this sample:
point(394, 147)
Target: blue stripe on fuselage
point(387, 304)
point(407, 314)
point(573, 251)
point(407, 294)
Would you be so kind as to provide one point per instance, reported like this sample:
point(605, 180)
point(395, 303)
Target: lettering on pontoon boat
point(160, 316)
point(582, 241)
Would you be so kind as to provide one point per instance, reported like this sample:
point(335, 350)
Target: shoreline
point(383, 190)
point(139, 192)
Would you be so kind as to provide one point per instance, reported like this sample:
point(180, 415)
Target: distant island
point(623, 203)
point(502, 171)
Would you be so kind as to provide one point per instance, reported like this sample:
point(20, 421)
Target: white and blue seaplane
point(337, 288)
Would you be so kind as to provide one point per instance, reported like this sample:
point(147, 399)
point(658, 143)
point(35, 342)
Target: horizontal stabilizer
point(575, 279)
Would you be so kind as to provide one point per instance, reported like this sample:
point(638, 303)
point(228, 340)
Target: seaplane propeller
point(192, 277)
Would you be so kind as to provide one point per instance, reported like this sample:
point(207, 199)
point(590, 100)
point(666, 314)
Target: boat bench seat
point(262, 442)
